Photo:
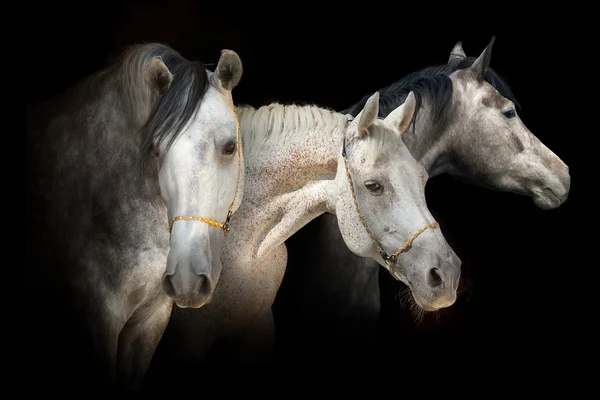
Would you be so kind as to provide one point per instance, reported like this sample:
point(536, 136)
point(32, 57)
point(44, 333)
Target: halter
point(390, 260)
point(225, 225)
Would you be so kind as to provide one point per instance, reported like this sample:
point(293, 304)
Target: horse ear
point(158, 76)
point(403, 115)
point(480, 66)
point(457, 53)
point(229, 69)
point(368, 115)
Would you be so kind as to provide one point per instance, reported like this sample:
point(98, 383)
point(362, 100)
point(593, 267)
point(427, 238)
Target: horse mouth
point(424, 305)
point(547, 199)
point(550, 194)
point(192, 304)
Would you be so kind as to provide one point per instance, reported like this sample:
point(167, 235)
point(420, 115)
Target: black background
point(517, 258)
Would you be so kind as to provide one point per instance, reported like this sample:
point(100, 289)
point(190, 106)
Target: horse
point(133, 175)
point(466, 126)
point(303, 161)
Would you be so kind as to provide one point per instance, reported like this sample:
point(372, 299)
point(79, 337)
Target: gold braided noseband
point(390, 260)
point(225, 225)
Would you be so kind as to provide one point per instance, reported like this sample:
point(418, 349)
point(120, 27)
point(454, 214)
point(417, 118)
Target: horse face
point(494, 147)
point(383, 187)
point(202, 176)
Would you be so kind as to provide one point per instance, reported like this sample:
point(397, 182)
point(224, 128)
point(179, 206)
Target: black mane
point(178, 105)
point(432, 83)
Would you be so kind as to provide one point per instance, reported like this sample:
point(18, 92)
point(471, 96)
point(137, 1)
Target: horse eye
point(510, 113)
point(374, 187)
point(229, 148)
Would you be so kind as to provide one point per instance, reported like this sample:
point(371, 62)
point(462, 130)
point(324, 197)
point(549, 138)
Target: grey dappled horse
point(133, 175)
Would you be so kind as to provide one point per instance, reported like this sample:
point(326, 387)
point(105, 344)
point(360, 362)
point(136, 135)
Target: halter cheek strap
point(224, 226)
point(390, 260)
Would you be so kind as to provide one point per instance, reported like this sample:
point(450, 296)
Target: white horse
point(302, 162)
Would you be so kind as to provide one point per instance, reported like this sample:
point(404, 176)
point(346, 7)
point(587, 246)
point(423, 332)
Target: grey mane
point(106, 126)
point(121, 87)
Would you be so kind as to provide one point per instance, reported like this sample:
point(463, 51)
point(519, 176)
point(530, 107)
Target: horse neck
point(290, 170)
point(426, 139)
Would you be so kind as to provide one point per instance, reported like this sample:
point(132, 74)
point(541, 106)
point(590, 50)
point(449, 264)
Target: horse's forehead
point(217, 106)
point(469, 88)
point(390, 157)
point(219, 98)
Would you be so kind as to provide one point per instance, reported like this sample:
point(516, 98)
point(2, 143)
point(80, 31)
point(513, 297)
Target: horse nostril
point(168, 286)
point(205, 286)
point(434, 278)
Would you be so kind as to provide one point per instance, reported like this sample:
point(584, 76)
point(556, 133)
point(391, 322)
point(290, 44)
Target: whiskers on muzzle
point(419, 315)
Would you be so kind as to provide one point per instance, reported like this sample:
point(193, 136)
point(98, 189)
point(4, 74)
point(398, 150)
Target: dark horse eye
point(374, 187)
point(510, 113)
point(229, 148)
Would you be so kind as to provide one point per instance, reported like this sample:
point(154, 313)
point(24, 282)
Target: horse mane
point(168, 116)
point(267, 128)
point(272, 125)
point(432, 83)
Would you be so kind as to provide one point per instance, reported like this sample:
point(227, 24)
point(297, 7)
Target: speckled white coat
point(295, 172)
